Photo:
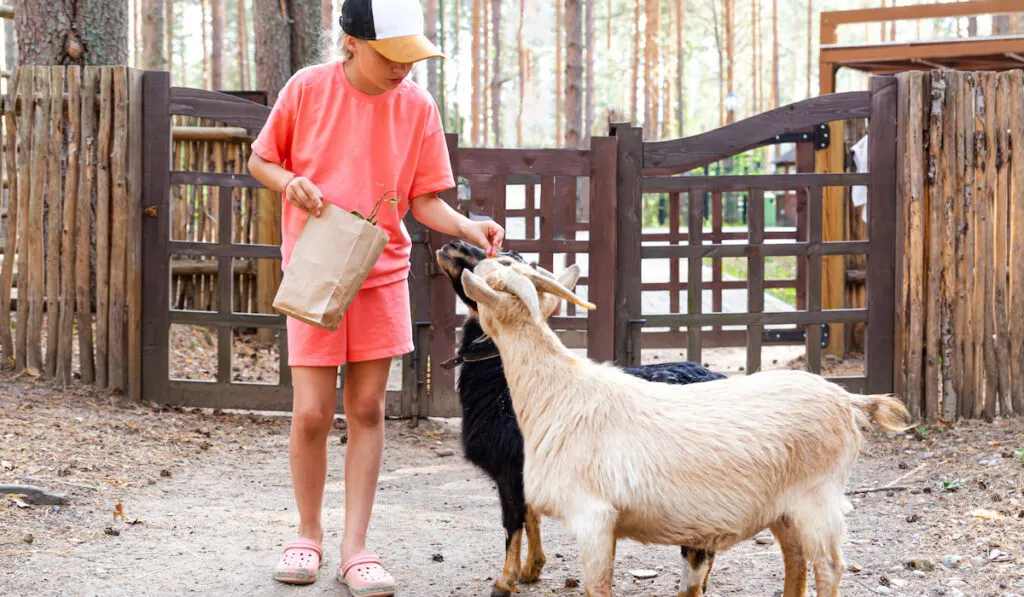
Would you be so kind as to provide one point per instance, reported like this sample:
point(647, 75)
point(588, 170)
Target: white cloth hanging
point(859, 194)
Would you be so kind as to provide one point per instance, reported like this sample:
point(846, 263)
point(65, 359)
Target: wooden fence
point(72, 156)
point(960, 307)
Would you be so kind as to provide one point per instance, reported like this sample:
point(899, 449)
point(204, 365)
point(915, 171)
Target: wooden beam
point(210, 133)
point(6, 12)
point(920, 11)
point(843, 54)
point(833, 280)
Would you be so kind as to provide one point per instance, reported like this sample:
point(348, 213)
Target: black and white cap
point(392, 27)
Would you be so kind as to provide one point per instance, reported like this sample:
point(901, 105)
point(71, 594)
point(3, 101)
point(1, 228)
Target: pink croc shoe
point(365, 576)
point(300, 562)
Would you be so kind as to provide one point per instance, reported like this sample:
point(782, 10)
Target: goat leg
point(792, 557)
point(535, 558)
point(506, 583)
point(696, 570)
point(594, 527)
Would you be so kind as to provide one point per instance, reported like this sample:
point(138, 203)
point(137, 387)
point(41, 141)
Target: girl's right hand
point(302, 193)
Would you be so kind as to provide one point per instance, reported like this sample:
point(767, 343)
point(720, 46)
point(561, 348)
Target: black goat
point(492, 441)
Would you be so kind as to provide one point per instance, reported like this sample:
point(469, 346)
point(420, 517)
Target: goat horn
point(552, 286)
point(520, 286)
point(546, 272)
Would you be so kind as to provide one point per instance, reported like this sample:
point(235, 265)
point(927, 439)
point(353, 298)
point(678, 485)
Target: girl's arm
point(298, 190)
point(438, 215)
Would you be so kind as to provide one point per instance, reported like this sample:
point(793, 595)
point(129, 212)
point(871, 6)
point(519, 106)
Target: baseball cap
point(392, 27)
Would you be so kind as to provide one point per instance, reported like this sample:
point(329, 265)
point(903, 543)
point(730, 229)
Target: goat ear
point(477, 289)
point(570, 276)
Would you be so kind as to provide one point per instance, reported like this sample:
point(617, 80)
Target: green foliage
point(950, 486)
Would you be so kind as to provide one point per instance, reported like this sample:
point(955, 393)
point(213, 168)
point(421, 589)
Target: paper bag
point(332, 258)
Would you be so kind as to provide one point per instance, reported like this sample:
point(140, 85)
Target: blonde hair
point(342, 52)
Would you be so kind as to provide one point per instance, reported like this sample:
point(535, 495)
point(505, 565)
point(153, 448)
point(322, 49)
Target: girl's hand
point(302, 193)
point(485, 233)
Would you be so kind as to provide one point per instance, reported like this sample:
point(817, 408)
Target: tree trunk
point(521, 49)
point(680, 70)
point(217, 45)
point(206, 45)
point(67, 32)
point(574, 73)
point(10, 45)
point(755, 63)
point(243, 47)
point(775, 57)
point(633, 100)
point(721, 62)
point(306, 22)
point(588, 127)
point(730, 55)
point(273, 46)
point(430, 19)
point(1001, 25)
point(154, 41)
point(485, 82)
point(496, 78)
point(169, 34)
point(559, 53)
point(650, 70)
point(810, 44)
point(476, 92)
point(327, 27)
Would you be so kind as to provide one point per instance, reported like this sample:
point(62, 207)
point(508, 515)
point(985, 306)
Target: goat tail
point(885, 410)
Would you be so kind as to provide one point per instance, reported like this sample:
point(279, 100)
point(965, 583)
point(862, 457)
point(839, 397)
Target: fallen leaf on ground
point(987, 514)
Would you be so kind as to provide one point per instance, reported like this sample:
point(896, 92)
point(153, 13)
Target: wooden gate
point(656, 167)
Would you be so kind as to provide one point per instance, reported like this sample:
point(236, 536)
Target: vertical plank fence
point(960, 304)
point(71, 161)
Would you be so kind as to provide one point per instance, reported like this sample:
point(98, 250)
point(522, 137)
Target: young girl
point(348, 132)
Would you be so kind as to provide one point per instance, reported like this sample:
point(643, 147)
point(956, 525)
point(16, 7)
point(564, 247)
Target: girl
point(347, 132)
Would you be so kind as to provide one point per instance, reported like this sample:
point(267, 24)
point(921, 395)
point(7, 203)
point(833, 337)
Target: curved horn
point(520, 286)
point(554, 286)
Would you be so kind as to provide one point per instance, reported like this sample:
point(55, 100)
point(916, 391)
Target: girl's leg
point(312, 415)
point(365, 391)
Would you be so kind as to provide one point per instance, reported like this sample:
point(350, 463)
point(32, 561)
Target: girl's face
point(370, 72)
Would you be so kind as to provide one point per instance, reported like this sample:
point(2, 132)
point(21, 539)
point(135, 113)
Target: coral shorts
point(377, 325)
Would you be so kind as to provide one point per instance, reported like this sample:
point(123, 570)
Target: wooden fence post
point(156, 168)
point(882, 234)
point(629, 232)
point(603, 279)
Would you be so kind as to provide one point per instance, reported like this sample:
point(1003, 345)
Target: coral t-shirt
point(355, 147)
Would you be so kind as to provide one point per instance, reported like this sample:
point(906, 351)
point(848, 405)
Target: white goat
point(705, 465)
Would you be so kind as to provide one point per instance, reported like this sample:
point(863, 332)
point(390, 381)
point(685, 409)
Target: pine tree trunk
point(559, 93)
point(430, 16)
point(650, 74)
point(574, 73)
point(327, 27)
point(775, 56)
point(754, 64)
point(477, 90)
point(521, 49)
point(206, 44)
point(485, 82)
point(680, 70)
point(169, 34)
point(273, 47)
point(633, 92)
point(217, 44)
point(10, 45)
point(154, 27)
point(243, 47)
point(721, 62)
point(810, 43)
point(588, 127)
point(306, 24)
point(64, 32)
point(730, 55)
point(496, 78)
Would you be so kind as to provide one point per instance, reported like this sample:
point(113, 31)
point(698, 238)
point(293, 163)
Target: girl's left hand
point(485, 233)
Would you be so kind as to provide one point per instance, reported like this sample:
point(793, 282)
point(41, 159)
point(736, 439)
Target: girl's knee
point(365, 411)
point(312, 423)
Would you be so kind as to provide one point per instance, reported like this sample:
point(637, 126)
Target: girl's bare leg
point(312, 415)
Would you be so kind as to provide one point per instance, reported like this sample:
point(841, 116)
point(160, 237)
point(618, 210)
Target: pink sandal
point(299, 563)
point(365, 576)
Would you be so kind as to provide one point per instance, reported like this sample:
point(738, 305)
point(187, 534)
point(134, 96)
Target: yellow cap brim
point(407, 49)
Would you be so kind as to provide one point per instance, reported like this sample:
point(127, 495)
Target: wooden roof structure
point(996, 53)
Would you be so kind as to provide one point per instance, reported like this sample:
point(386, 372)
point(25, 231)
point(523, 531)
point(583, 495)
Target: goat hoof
point(496, 592)
point(532, 572)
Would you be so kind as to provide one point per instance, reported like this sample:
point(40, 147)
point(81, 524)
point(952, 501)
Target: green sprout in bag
point(393, 200)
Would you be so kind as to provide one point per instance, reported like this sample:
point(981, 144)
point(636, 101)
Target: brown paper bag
point(332, 258)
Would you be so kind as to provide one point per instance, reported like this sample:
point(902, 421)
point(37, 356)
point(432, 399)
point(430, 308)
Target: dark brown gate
point(657, 168)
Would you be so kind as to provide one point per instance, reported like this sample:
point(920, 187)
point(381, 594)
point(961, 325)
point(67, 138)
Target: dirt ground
point(207, 504)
